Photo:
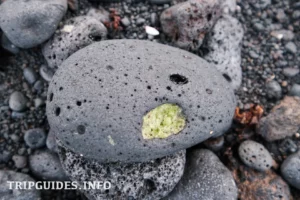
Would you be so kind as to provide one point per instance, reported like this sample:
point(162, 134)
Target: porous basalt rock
point(100, 94)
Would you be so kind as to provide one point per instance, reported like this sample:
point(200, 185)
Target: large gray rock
point(283, 121)
point(77, 33)
point(28, 23)
point(188, 22)
point(255, 155)
point(96, 103)
point(7, 193)
point(224, 48)
point(147, 181)
point(290, 170)
point(45, 165)
point(205, 178)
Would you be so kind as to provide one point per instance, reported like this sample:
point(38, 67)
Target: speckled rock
point(282, 122)
point(205, 178)
point(77, 33)
point(46, 165)
point(28, 23)
point(224, 48)
point(187, 23)
point(35, 138)
point(16, 194)
point(147, 181)
point(255, 155)
point(290, 170)
point(98, 101)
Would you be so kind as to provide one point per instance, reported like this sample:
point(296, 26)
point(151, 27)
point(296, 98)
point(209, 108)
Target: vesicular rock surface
point(149, 180)
point(100, 94)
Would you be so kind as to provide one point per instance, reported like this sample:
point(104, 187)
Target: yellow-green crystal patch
point(163, 121)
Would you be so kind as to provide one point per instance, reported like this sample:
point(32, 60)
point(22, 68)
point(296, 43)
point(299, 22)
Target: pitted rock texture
point(98, 101)
point(149, 180)
point(255, 155)
point(188, 22)
point(223, 48)
point(28, 23)
point(290, 170)
point(77, 33)
point(7, 193)
point(283, 121)
point(205, 178)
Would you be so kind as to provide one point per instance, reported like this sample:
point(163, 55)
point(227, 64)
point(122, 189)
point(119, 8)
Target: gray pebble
point(255, 155)
point(290, 72)
point(291, 47)
point(20, 161)
point(205, 177)
point(5, 156)
point(35, 138)
point(295, 90)
point(125, 21)
point(129, 92)
point(30, 75)
point(273, 89)
point(290, 170)
point(147, 181)
point(46, 73)
point(28, 23)
point(140, 21)
point(51, 142)
point(38, 102)
point(17, 101)
point(38, 85)
point(18, 115)
point(99, 13)
point(45, 165)
point(253, 54)
point(7, 193)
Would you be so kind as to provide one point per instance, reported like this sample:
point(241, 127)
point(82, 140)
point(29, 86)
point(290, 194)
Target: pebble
point(140, 21)
point(38, 85)
point(18, 115)
point(283, 34)
point(290, 72)
point(134, 94)
point(224, 49)
point(291, 47)
point(261, 4)
point(125, 21)
point(14, 193)
point(17, 101)
point(51, 142)
point(295, 90)
point(255, 155)
point(147, 181)
point(20, 161)
point(290, 170)
point(273, 89)
point(30, 75)
point(5, 156)
point(188, 22)
point(38, 102)
point(100, 14)
point(7, 45)
point(77, 33)
point(205, 177)
point(288, 146)
point(283, 120)
point(28, 23)
point(45, 165)
point(228, 6)
point(215, 144)
point(46, 73)
point(35, 138)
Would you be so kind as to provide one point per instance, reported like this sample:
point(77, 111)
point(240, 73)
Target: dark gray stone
point(255, 155)
point(28, 23)
point(17, 101)
point(30, 75)
point(14, 193)
point(98, 101)
point(188, 22)
point(291, 47)
point(290, 170)
point(51, 142)
point(147, 181)
point(35, 138)
point(20, 161)
point(7, 45)
point(295, 90)
point(205, 177)
point(273, 89)
point(45, 165)
point(224, 49)
point(5, 156)
point(77, 33)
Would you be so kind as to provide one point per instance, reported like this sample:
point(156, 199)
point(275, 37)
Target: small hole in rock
point(178, 79)
point(208, 91)
point(57, 111)
point(51, 97)
point(81, 129)
point(227, 77)
point(78, 103)
point(109, 67)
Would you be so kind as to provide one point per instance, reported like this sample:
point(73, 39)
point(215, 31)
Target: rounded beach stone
point(99, 96)
point(28, 23)
point(290, 170)
point(35, 138)
point(149, 180)
point(17, 101)
point(255, 155)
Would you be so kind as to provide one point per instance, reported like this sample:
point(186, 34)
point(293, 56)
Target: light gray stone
point(273, 89)
point(30, 75)
point(17, 101)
